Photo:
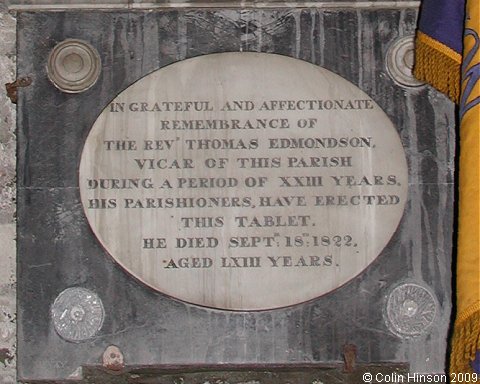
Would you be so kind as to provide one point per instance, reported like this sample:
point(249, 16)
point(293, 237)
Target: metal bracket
point(12, 88)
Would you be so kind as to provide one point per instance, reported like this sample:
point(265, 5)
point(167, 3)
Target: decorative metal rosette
point(410, 310)
point(400, 59)
point(77, 314)
point(73, 66)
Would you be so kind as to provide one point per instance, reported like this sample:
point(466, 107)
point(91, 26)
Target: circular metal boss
point(73, 66)
point(400, 61)
point(410, 310)
point(77, 314)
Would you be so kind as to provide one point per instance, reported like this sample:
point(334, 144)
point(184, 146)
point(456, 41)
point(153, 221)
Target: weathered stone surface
point(300, 374)
point(58, 249)
point(7, 200)
point(7, 113)
point(149, 4)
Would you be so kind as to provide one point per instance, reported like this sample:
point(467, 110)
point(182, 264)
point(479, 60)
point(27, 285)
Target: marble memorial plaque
point(243, 181)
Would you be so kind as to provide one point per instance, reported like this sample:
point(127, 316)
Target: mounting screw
point(113, 358)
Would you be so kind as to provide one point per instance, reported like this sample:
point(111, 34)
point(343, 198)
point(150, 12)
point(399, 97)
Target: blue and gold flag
point(438, 55)
point(448, 57)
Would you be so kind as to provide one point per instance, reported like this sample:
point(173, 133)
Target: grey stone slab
point(22, 5)
point(152, 329)
point(219, 31)
point(57, 249)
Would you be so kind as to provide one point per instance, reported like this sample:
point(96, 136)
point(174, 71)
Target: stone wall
point(7, 199)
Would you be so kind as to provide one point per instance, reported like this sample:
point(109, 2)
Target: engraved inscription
point(243, 181)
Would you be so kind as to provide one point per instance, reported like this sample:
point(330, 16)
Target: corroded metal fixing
point(112, 358)
point(12, 88)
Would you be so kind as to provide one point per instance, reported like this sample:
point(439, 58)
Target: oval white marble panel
point(243, 181)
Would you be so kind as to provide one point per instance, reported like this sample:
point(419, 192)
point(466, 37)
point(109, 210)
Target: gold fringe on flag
point(438, 65)
point(466, 333)
point(465, 343)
